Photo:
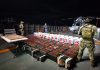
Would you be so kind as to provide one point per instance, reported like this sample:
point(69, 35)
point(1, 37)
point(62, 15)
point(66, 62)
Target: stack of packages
point(30, 45)
point(33, 46)
point(47, 46)
point(72, 52)
point(30, 41)
point(61, 60)
point(69, 54)
point(59, 49)
point(55, 49)
point(48, 49)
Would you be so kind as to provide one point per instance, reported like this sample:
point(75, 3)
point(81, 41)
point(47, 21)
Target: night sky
point(50, 7)
point(42, 9)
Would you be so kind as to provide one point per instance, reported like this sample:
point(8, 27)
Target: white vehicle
point(74, 28)
point(77, 23)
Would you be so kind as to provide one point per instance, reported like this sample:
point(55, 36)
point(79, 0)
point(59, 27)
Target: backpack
point(87, 32)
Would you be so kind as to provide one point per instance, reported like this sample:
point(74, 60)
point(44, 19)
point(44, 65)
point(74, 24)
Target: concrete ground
point(26, 62)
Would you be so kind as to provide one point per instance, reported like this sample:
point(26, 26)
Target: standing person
point(21, 28)
point(88, 32)
point(45, 28)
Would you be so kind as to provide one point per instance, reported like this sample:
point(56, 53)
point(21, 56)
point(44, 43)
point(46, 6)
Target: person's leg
point(22, 33)
point(91, 53)
point(81, 49)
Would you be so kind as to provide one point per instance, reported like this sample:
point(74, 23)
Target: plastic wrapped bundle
point(30, 42)
point(68, 62)
point(72, 52)
point(61, 60)
point(64, 61)
point(39, 56)
point(58, 51)
point(47, 49)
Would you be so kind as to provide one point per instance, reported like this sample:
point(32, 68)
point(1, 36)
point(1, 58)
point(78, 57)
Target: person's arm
point(79, 32)
point(95, 31)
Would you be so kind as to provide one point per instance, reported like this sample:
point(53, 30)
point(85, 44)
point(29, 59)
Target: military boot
point(93, 64)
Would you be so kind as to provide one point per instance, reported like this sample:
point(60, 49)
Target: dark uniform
point(87, 31)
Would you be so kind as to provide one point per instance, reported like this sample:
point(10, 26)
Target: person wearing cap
point(87, 32)
point(21, 28)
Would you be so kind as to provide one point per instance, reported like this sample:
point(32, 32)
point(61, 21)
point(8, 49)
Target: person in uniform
point(88, 32)
point(45, 28)
point(21, 28)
